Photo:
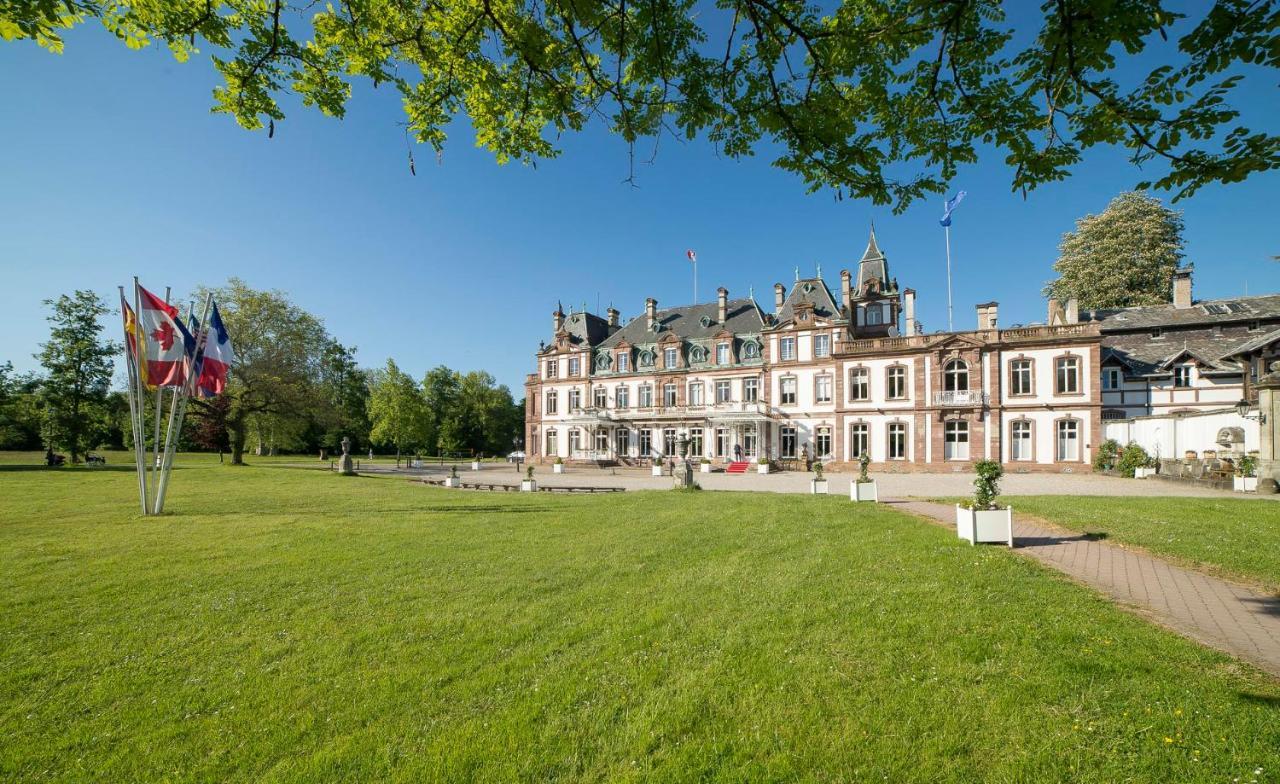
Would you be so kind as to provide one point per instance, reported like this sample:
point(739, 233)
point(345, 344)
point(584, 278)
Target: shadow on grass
point(1269, 700)
point(80, 469)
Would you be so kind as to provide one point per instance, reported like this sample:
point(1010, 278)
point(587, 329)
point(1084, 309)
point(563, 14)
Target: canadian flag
point(217, 359)
point(166, 342)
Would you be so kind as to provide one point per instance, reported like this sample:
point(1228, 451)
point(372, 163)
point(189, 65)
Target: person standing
point(737, 452)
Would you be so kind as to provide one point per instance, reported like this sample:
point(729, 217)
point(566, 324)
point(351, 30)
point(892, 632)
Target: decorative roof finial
point(797, 273)
point(819, 272)
point(751, 292)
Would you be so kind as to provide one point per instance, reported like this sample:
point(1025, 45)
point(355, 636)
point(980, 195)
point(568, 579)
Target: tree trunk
point(237, 442)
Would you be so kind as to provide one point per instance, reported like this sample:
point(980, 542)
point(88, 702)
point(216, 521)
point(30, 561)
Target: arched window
point(750, 350)
point(955, 376)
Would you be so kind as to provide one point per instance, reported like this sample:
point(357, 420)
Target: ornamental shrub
point(863, 462)
point(817, 471)
point(1106, 455)
point(986, 488)
point(1132, 457)
point(1248, 466)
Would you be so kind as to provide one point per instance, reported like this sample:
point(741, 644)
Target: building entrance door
point(749, 442)
point(621, 442)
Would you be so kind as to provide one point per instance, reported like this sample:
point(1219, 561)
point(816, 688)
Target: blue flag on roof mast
point(950, 206)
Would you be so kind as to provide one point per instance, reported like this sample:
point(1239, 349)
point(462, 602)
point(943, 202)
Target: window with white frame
point(955, 377)
point(788, 389)
point(695, 393)
point(553, 368)
point(1020, 440)
point(724, 391)
point(669, 395)
point(602, 440)
point(550, 403)
point(1068, 440)
point(722, 441)
point(622, 441)
point(622, 397)
point(859, 383)
point(1020, 382)
point(670, 357)
point(1182, 376)
point(859, 440)
point(722, 353)
point(955, 440)
point(575, 400)
point(669, 445)
point(1111, 378)
point(695, 442)
point(1068, 375)
point(646, 442)
point(574, 365)
point(750, 350)
point(750, 389)
point(822, 345)
point(788, 442)
point(822, 442)
point(875, 315)
point(895, 379)
point(787, 348)
point(575, 441)
point(646, 396)
point(624, 362)
point(897, 440)
point(822, 389)
point(599, 397)
point(552, 446)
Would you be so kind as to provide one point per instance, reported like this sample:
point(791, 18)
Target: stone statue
point(345, 466)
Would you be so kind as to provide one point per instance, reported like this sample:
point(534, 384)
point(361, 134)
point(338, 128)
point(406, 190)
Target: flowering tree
point(1123, 257)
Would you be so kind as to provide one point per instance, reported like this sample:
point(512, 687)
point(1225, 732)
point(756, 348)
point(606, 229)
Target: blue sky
point(113, 166)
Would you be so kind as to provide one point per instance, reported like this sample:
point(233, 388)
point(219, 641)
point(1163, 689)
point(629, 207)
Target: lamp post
point(1242, 408)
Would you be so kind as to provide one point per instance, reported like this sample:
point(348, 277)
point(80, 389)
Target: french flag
point(166, 341)
point(218, 357)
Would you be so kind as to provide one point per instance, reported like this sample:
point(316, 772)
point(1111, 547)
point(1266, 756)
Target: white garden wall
point(1169, 436)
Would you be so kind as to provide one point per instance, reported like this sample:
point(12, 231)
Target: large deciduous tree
point(846, 92)
point(78, 363)
point(1123, 257)
point(397, 409)
point(279, 350)
point(345, 398)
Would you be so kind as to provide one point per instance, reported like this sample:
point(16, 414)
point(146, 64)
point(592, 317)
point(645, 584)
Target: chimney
point(1182, 287)
point(846, 291)
point(1073, 310)
point(613, 314)
point(779, 294)
point(651, 311)
point(722, 301)
point(1055, 312)
point(987, 315)
point(909, 306)
point(557, 320)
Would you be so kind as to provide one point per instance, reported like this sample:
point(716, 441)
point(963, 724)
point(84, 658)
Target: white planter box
point(762, 468)
point(818, 486)
point(656, 470)
point(986, 525)
point(705, 468)
point(1143, 473)
point(864, 491)
point(557, 468)
point(528, 486)
point(452, 481)
point(1244, 484)
point(475, 465)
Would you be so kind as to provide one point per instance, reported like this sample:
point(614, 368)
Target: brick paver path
point(1232, 618)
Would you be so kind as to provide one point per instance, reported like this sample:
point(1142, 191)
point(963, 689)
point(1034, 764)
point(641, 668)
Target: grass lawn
point(1236, 538)
point(292, 625)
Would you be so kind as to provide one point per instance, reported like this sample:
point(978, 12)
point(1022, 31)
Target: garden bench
point(582, 489)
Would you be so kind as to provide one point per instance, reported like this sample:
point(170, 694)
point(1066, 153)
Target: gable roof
point(686, 322)
point(1249, 346)
point(1233, 309)
point(812, 291)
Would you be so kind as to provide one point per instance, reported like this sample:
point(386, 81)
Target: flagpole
point(695, 279)
point(139, 356)
point(950, 326)
point(171, 442)
point(130, 338)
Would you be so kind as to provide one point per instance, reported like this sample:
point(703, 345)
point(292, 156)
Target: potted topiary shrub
point(818, 485)
point(704, 465)
point(864, 487)
point(527, 485)
point(762, 465)
point(452, 479)
point(1246, 478)
point(1132, 459)
point(656, 470)
point(557, 465)
point(982, 520)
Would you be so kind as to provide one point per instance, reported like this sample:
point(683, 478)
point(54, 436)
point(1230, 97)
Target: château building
point(832, 377)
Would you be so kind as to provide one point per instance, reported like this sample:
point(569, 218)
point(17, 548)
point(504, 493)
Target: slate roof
point(586, 328)
point(873, 265)
point(1253, 345)
point(743, 315)
point(813, 291)
point(1262, 307)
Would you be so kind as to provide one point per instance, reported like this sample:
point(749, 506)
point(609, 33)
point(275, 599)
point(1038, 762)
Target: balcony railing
point(966, 397)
